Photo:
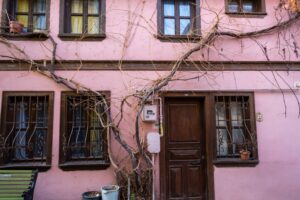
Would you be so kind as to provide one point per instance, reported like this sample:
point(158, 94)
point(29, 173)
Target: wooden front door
point(184, 171)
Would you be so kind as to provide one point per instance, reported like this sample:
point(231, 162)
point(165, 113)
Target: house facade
point(236, 91)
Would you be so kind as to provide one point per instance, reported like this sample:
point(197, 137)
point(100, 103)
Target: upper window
point(179, 17)
point(83, 17)
point(26, 129)
point(245, 6)
point(30, 15)
point(83, 135)
point(235, 128)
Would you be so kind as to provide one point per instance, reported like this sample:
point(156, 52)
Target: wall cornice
point(139, 65)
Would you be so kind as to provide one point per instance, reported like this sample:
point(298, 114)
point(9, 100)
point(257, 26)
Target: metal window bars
point(233, 126)
point(25, 128)
point(84, 135)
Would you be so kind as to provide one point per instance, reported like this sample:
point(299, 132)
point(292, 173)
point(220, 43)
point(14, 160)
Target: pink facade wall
point(277, 175)
point(141, 43)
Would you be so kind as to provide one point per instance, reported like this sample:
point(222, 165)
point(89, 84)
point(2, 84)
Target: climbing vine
point(139, 158)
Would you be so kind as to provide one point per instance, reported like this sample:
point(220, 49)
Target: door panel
point(184, 148)
point(193, 183)
point(176, 186)
point(183, 128)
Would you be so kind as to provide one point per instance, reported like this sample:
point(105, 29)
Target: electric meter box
point(149, 113)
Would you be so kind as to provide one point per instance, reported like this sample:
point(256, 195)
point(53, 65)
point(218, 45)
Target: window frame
point(64, 23)
point(9, 5)
point(82, 163)
point(196, 29)
point(236, 161)
point(261, 11)
point(38, 164)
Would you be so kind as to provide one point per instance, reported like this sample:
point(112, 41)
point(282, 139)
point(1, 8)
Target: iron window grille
point(83, 131)
point(235, 126)
point(26, 129)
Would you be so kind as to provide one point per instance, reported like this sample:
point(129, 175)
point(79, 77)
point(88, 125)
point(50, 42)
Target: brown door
point(184, 149)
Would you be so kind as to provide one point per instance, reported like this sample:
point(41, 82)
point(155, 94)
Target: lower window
point(26, 130)
point(235, 129)
point(83, 135)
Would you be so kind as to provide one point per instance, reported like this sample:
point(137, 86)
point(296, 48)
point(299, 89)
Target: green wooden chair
point(17, 184)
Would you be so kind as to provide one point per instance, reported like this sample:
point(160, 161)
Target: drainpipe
point(161, 129)
point(153, 179)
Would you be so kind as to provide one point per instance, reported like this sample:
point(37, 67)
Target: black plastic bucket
point(91, 195)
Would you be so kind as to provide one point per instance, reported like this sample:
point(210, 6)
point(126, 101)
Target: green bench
point(17, 184)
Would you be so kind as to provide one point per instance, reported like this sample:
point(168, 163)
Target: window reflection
point(169, 27)
point(177, 17)
point(184, 9)
point(243, 6)
point(185, 26)
point(248, 7)
point(233, 6)
point(169, 8)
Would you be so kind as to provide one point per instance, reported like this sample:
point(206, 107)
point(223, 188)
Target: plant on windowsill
point(245, 153)
point(15, 27)
point(294, 5)
point(16, 31)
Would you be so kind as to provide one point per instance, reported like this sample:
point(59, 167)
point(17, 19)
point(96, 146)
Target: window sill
point(247, 15)
point(27, 165)
point(38, 36)
point(231, 162)
point(178, 38)
point(84, 165)
point(81, 37)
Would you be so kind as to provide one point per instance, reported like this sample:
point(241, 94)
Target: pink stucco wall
point(275, 177)
point(134, 23)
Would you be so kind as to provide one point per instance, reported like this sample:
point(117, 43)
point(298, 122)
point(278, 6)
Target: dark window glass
point(31, 14)
point(178, 17)
point(83, 16)
point(234, 127)
point(83, 134)
point(244, 6)
point(25, 132)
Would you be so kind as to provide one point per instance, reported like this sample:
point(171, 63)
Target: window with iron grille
point(26, 129)
point(179, 17)
point(245, 6)
point(83, 131)
point(82, 18)
point(235, 127)
point(32, 14)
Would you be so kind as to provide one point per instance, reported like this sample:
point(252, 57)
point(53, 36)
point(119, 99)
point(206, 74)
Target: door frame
point(209, 139)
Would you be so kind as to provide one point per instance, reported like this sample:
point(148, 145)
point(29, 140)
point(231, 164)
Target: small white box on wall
point(149, 113)
point(153, 140)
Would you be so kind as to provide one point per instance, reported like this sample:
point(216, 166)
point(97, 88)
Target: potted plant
point(245, 153)
point(14, 26)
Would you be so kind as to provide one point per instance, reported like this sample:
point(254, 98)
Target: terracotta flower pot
point(15, 27)
point(245, 155)
point(294, 5)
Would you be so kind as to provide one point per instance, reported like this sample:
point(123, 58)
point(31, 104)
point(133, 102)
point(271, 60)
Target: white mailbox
point(149, 113)
point(153, 141)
